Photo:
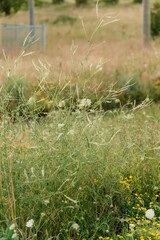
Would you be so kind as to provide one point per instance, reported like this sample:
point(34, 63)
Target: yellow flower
point(128, 235)
point(147, 221)
point(118, 235)
point(141, 238)
point(95, 180)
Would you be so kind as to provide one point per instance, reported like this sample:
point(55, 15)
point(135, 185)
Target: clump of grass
point(64, 19)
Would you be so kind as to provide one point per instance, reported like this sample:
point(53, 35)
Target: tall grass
point(99, 171)
point(80, 172)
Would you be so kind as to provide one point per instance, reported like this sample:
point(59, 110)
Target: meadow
point(79, 128)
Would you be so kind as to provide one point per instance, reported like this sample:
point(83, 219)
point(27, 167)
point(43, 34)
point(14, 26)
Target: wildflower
point(119, 236)
point(144, 230)
point(150, 214)
point(43, 214)
point(83, 103)
point(141, 238)
point(117, 100)
point(95, 180)
point(61, 104)
point(128, 235)
point(129, 116)
point(61, 125)
point(14, 235)
point(75, 227)
point(42, 171)
point(30, 223)
point(46, 202)
point(32, 170)
point(131, 225)
point(12, 227)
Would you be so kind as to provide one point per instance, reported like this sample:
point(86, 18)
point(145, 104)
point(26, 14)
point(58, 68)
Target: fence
point(20, 35)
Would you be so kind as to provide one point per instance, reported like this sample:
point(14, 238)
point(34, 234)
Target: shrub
point(57, 1)
point(64, 19)
point(155, 20)
point(22, 99)
point(81, 2)
point(137, 1)
point(111, 2)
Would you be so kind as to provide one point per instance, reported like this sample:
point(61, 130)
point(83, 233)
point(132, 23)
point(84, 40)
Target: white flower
point(42, 171)
point(129, 116)
point(61, 104)
point(43, 214)
point(12, 227)
point(61, 125)
point(131, 225)
point(150, 214)
point(83, 103)
point(46, 202)
point(75, 227)
point(14, 235)
point(30, 223)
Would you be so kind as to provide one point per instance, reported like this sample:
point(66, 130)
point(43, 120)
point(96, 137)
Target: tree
point(146, 22)
point(57, 1)
point(7, 6)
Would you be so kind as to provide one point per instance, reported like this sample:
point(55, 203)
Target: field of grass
point(70, 167)
point(70, 49)
point(81, 175)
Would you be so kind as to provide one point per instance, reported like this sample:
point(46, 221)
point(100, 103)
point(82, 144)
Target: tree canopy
point(9, 6)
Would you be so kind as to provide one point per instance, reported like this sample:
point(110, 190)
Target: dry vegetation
point(118, 45)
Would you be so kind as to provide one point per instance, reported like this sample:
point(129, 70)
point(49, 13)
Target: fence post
point(43, 35)
point(31, 17)
point(146, 22)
